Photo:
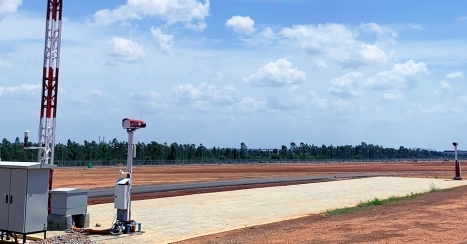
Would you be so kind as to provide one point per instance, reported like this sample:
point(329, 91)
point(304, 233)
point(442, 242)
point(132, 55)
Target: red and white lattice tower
point(47, 123)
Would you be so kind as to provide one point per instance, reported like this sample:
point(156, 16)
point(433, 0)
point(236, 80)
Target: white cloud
point(337, 41)
point(165, 41)
point(124, 50)
point(268, 33)
point(444, 89)
point(445, 86)
point(267, 37)
point(219, 62)
point(144, 94)
point(416, 26)
point(455, 75)
point(373, 53)
point(321, 64)
point(384, 33)
point(409, 69)
point(405, 74)
point(230, 88)
point(5, 64)
point(26, 87)
point(241, 24)
point(173, 11)
point(218, 76)
point(204, 96)
point(147, 101)
point(277, 74)
point(319, 102)
point(21, 92)
point(393, 95)
point(347, 85)
point(373, 27)
point(8, 7)
point(343, 105)
point(86, 97)
point(96, 92)
point(250, 105)
point(200, 26)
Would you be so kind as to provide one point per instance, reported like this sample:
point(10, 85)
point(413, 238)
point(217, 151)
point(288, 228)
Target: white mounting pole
point(130, 125)
point(129, 168)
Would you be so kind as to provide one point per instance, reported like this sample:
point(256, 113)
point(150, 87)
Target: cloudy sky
point(262, 72)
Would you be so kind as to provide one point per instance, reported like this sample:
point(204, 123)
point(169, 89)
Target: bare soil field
point(105, 177)
point(437, 217)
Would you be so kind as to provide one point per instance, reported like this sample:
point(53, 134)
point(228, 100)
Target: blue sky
point(262, 72)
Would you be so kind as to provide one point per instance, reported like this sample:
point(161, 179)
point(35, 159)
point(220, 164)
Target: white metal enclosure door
point(19, 181)
point(36, 200)
point(4, 197)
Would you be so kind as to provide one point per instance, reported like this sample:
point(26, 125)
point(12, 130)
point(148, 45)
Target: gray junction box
point(68, 208)
point(24, 190)
point(69, 201)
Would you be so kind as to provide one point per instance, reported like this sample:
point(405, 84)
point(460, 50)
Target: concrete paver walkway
point(171, 219)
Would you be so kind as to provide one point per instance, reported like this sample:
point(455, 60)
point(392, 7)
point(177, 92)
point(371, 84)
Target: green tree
point(173, 151)
point(243, 151)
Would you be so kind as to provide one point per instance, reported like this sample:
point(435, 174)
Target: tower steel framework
point(50, 71)
point(47, 124)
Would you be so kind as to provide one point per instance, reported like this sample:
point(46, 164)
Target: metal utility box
point(69, 201)
point(24, 197)
point(122, 188)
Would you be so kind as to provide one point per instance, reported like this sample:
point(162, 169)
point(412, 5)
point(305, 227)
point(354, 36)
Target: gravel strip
point(73, 238)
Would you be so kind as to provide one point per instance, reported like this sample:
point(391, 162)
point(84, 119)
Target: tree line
point(115, 151)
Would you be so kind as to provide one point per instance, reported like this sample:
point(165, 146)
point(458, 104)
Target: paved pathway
point(171, 219)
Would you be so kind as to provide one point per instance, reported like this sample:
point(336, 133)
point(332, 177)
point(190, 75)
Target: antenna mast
point(50, 71)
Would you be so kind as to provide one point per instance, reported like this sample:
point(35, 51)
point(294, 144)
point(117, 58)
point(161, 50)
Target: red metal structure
point(50, 71)
point(47, 124)
point(50, 81)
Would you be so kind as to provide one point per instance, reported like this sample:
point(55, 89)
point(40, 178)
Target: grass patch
point(362, 206)
point(434, 188)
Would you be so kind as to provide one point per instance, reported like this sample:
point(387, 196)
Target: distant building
point(451, 153)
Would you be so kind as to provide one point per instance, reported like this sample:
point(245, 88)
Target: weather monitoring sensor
point(133, 124)
point(122, 199)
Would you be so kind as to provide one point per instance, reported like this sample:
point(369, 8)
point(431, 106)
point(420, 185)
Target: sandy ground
point(438, 217)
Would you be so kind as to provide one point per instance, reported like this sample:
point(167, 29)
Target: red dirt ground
point(105, 177)
point(437, 217)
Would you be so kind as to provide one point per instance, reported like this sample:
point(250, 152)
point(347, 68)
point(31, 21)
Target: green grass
point(434, 188)
point(362, 206)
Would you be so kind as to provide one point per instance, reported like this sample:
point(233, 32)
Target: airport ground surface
point(105, 177)
point(436, 217)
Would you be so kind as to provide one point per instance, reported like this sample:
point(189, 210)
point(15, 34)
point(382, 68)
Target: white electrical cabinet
point(24, 197)
point(122, 188)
